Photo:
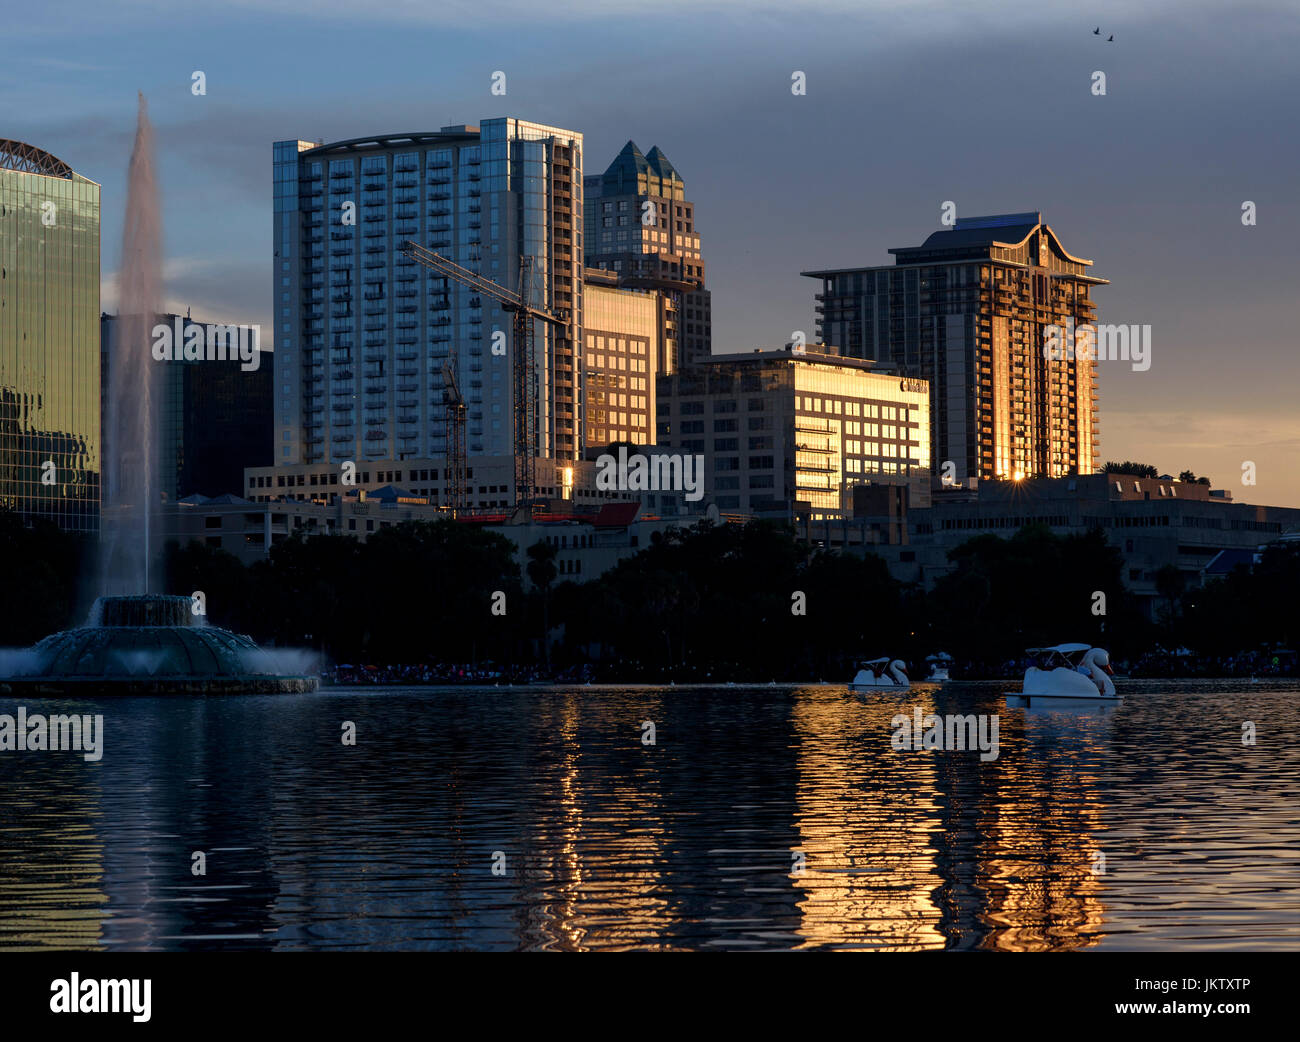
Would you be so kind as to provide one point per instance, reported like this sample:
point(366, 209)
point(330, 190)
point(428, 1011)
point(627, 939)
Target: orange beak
point(1108, 670)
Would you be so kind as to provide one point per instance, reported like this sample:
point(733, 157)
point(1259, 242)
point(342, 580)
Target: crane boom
point(520, 304)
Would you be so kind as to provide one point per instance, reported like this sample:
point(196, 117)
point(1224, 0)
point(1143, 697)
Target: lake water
point(767, 818)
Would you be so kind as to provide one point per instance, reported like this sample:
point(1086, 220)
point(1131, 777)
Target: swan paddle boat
point(939, 668)
point(1067, 675)
point(881, 674)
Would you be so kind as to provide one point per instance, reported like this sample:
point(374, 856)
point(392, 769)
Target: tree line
point(742, 602)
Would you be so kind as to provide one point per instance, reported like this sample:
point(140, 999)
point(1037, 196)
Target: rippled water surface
point(759, 818)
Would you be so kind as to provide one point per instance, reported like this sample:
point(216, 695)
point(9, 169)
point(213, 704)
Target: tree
point(1036, 588)
point(541, 573)
point(43, 568)
point(1137, 470)
point(1171, 584)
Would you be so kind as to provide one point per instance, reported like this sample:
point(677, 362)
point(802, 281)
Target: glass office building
point(50, 451)
point(362, 332)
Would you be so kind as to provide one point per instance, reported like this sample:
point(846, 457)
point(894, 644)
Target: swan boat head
point(1070, 669)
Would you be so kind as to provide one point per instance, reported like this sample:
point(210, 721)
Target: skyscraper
point(50, 452)
point(363, 331)
point(967, 310)
point(640, 225)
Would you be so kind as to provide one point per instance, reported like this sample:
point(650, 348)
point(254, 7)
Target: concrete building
point(587, 541)
point(794, 433)
point(966, 311)
point(1152, 522)
point(624, 332)
point(214, 416)
point(490, 483)
point(641, 226)
point(363, 332)
point(50, 435)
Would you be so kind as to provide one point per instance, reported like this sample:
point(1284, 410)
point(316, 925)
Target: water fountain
point(131, 470)
point(136, 641)
point(151, 644)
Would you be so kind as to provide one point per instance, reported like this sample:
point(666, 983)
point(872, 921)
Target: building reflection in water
point(907, 850)
point(866, 818)
point(608, 843)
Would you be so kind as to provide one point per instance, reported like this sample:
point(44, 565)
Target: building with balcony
point(363, 332)
point(966, 311)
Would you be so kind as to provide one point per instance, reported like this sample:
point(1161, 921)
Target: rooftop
point(28, 159)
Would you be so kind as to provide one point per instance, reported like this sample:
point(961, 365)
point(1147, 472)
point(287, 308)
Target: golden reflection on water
point(1040, 870)
point(594, 872)
point(690, 843)
point(870, 868)
point(52, 873)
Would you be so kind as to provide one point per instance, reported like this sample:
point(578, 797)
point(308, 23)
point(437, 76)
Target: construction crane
point(523, 344)
point(453, 408)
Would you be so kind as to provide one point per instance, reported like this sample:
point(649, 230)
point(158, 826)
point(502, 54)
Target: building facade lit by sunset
point(967, 311)
point(624, 332)
point(49, 339)
point(640, 225)
point(363, 331)
point(796, 433)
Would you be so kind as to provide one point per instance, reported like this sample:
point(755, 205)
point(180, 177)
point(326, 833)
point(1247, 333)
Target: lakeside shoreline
point(1274, 683)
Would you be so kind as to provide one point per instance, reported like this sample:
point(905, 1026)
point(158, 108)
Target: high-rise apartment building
point(640, 225)
point(967, 311)
point(363, 332)
point(50, 448)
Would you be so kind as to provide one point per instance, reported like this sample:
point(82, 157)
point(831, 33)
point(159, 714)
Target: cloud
point(210, 289)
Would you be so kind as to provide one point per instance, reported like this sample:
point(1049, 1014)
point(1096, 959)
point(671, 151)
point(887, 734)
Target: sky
point(908, 105)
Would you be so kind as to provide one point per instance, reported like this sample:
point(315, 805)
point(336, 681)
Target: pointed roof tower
point(627, 166)
point(660, 165)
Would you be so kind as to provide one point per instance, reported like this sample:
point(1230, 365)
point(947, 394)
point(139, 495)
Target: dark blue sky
point(908, 105)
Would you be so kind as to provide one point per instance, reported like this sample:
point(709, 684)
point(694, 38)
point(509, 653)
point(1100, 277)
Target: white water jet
point(131, 485)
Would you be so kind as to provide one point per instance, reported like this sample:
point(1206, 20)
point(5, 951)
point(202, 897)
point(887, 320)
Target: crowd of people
point(1162, 663)
point(1157, 664)
point(1153, 664)
point(349, 675)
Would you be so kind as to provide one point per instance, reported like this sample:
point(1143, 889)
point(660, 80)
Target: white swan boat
point(938, 668)
point(881, 674)
point(1065, 674)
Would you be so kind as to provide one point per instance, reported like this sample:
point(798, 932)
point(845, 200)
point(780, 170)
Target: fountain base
point(152, 645)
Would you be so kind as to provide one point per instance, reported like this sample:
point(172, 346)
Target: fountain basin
point(152, 645)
